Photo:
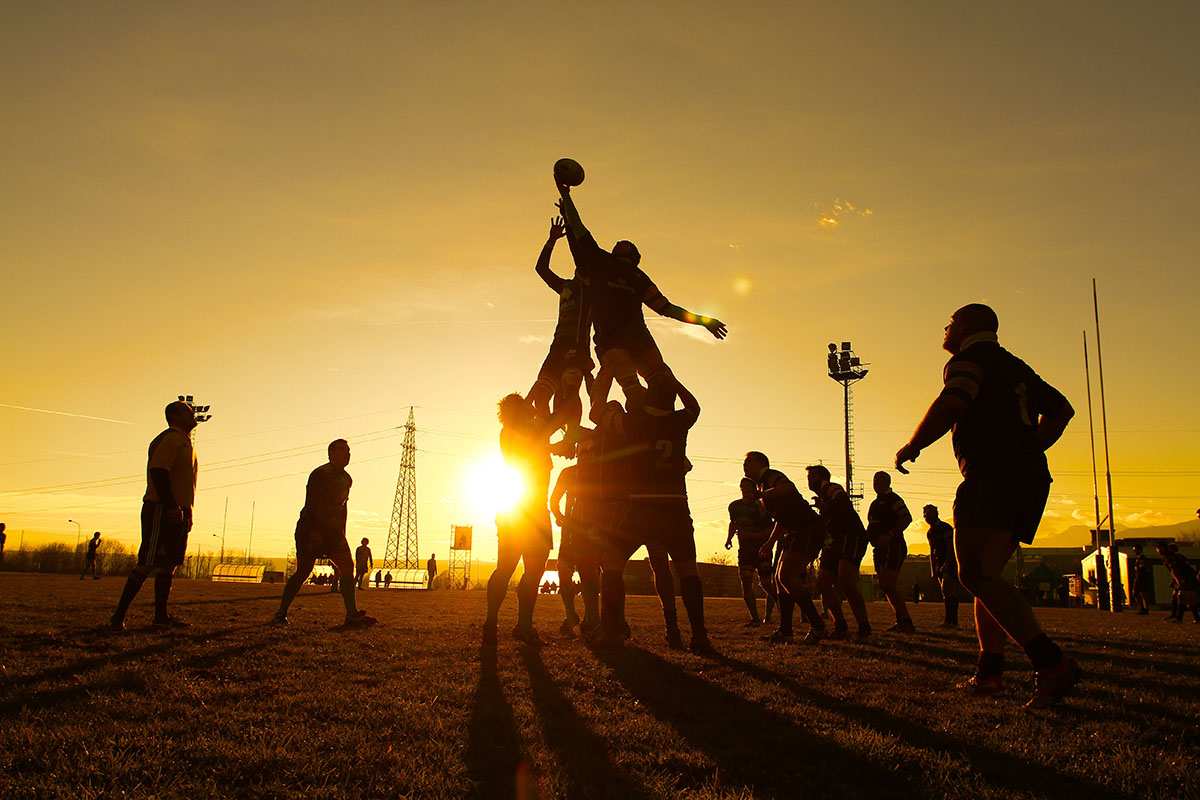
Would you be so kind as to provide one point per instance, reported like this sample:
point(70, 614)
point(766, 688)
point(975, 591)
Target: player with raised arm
point(842, 554)
point(568, 359)
point(887, 519)
point(657, 512)
point(1004, 417)
point(750, 522)
point(618, 289)
point(523, 533)
point(801, 534)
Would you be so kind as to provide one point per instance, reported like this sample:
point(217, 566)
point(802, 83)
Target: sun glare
point(491, 486)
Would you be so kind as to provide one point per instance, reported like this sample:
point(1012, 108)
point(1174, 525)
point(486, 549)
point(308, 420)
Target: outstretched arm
point(557, 227)
point(660, 305)
point(571, 214)
point(938, 421)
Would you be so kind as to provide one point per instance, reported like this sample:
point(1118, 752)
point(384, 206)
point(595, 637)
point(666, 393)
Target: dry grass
point(235, 708)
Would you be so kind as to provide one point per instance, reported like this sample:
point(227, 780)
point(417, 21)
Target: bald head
point(969, 320)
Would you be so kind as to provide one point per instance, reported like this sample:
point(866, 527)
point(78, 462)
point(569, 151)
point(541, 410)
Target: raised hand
point(717, 328)
point(558, 229)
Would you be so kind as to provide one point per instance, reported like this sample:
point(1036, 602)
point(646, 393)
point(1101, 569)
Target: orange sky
point(312, 217)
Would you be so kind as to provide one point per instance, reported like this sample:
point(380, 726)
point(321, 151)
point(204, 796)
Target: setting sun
point(491, 486)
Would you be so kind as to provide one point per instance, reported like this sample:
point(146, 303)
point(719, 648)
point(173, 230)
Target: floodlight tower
point(201, 412)
point(847, 369)
point(405, 554)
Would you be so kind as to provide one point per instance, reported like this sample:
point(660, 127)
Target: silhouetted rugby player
point(166, 515)
point(523, 533)
point(750, 522)
point(657, 512)
point(1004, 418)
point(802, 535)
point(321, 533)
point(842, 553)
point(569, 357)
point(887, 518)
point(1187, 586)
point(362, 563)
point(581, 523)
point(89, 563)
point(618, 289)
point(943, 566)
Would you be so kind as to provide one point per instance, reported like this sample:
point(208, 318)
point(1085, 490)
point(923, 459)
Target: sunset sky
point(312, 216)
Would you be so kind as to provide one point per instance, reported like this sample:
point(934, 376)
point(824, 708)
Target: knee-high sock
point(162, 590)
point(590, 589)
point(692, 592)
point(290, 590)
point(786, 606)
point(567, 592)
point(952, 612)
point(809, 610)
point(346, 584)
point(771, 603)
point(612, 600)
point(132, 584)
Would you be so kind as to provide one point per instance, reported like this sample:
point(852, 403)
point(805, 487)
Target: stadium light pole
point(847, 368)
point(78, 533)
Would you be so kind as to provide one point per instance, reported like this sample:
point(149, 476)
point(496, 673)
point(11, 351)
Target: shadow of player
point(494, 762)
point(752, 748)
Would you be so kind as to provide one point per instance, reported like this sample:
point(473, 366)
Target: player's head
point(748, 488)
point(180, 415)
point(339, 452)
point(818, 476)
point(967, 321)
point(513, 409)
point(1137, 549)
point(1161, 546)
point(365, 541)
point(659, 399)
point(882, 482)
point(627, 251)
point(96, 535)
point(930, 513)
point(754, 464)
point(1, 527)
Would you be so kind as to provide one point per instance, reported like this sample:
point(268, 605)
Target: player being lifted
point(523, 533)
point(887, 518)
point(657, 512)
point(568, 359)
point(841, 556)
point(801, 534)
point(618, 288)
point(751, 523)
point(1004, 418)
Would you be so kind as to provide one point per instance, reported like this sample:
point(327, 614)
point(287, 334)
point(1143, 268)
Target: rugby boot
point(489, 632)
point(778, 637)
point(701, 646)
point(814, 636)
point(527, 634)
point(674, 639)
point(359, 620)
point(903, 626)
point(169, 623)
point(984, 687)
point(1052, 684)
point(840, 633)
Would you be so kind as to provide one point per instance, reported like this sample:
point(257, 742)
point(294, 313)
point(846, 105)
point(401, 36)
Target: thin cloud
point(67, 414)
point(831, 216)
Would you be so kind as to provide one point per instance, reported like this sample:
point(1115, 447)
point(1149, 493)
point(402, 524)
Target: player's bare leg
point(748, 595)
point(304, 568)
point(692, 591)
point(851, 585)
point(534, 557)
point(889, 580)
point(827, 584)
point(664, 586)
point(982, 554)
point(507, 558)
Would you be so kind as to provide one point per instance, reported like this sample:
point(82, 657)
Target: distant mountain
point(1081, 536)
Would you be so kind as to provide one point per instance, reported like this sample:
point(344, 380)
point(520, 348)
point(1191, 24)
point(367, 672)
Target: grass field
point(412, 708)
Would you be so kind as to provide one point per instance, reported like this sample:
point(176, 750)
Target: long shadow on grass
point(588, 769)
point(1003, 770)
point(751, 746)
point(494, 761)
point(83, 691)
point(163, 643)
